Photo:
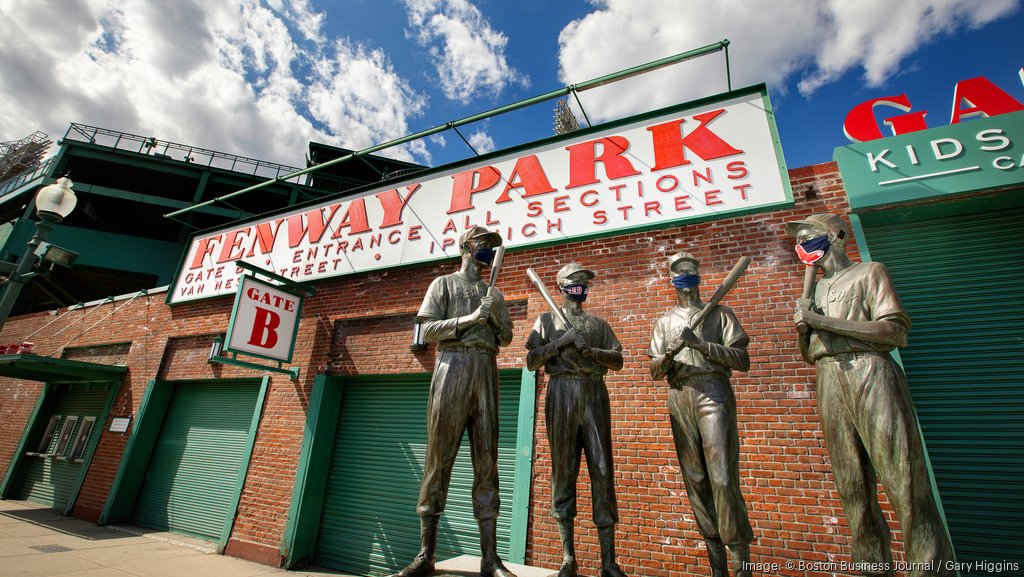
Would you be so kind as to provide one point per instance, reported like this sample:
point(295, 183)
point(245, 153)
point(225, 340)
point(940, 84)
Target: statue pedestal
point(469, 566)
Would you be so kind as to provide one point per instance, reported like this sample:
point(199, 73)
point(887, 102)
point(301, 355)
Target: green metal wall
point(369, 524)
point(960, 279)
point(53, 481)
point(190, 483)
point(103, 249)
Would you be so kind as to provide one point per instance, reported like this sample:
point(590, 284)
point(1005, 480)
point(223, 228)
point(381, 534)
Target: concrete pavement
point(37, 542)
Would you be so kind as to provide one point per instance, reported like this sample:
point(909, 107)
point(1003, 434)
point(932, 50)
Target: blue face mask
point(484, 255)
point(812, 250)
point(685, 281)
point(577, 292)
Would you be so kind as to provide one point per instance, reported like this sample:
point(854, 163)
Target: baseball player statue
point(698, 361)
point(847, 325)
point(468, 321)
point(576, 349)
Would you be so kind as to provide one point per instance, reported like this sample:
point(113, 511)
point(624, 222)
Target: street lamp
point(53, 203)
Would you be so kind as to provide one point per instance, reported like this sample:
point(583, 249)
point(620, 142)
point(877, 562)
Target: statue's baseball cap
point(475, 232)
point(681, 256)
point(825, 220)
point(570, 269)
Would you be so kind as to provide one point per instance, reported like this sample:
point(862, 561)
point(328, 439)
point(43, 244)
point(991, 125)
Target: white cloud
point(481, 142)
point(877, 36)
point(308, 21)
point(770, 42)
point(438, 139)
point(229, 76)
point(361, 99)
point(468, 53)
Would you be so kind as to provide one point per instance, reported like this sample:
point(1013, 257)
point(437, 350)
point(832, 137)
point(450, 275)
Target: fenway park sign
point(709, 159)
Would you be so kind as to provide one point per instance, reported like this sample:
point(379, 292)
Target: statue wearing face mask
point(847, 328)
point(697, 362)
point(578, 416)
point(469, 322)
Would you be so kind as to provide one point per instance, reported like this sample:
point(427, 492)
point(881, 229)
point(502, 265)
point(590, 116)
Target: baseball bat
point(547, 297)
point(810, 274)
point(734, 275)
point(499, 255)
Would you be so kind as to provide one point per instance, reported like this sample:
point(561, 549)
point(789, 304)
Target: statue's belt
point(577, 377)
point(480, 350)
point(848, 357)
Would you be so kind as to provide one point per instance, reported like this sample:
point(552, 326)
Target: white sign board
point(712, 159)
point(119, 424)
point(264, 321)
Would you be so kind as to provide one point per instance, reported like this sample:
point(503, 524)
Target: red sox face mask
point(812, 250)
point(576, 291)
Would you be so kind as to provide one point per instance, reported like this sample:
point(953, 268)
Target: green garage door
point(190, 485)
point(961, 281)
point(369, 524)
point(54, 462)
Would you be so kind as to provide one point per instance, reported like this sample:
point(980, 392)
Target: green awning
point(48, 369)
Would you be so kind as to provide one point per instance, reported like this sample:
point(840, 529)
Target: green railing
point(166, 150)
point(25, 179)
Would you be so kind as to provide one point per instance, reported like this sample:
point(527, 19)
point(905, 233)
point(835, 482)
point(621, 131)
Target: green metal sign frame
point(983, 154)
point(291, 287)
point(757, 95)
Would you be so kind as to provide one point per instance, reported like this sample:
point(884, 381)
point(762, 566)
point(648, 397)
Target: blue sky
point(263, 78)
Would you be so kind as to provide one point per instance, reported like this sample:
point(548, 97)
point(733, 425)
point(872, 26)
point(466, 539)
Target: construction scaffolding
point(22, 155)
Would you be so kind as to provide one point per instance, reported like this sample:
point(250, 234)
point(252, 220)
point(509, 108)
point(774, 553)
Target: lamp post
point(53, 203)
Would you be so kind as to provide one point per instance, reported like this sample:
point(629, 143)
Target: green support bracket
point(233, 360)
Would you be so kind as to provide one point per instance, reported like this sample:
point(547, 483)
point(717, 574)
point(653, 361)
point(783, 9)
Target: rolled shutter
point(960, 279)
point(189, 486)
point(369, 524)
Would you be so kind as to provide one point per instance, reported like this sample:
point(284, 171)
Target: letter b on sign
point(265, 320)
point(264, 328)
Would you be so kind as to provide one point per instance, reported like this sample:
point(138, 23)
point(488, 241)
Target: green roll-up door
point(961, 281)
point(369, 524)
point(189, 486)
point(49, 478)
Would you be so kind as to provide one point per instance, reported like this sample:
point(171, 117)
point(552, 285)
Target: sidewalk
point(37, 542)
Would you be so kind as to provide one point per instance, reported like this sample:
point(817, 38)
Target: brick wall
point(361, 325)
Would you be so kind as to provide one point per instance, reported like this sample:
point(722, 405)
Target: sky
point(264, 78)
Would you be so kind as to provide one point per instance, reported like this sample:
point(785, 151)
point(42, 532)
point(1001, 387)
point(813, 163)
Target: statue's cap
point(825, 220)
point(475, 232)
point(681, 256)
point(573, 268)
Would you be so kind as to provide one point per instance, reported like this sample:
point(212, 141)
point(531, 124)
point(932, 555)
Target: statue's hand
point(579, 341)
point(571, 355)
point(484, 310)
point(802, 316)
point(685, 338)
point(571, 337)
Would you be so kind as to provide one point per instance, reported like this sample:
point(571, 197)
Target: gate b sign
point(264, 321)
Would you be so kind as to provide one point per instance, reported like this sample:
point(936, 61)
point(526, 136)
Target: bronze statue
point(576, 349)
point(698, 359)
point(469, 321)
point(847, 325)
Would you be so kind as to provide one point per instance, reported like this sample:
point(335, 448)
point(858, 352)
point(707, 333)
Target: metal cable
point(126, 303)
point(70, 308)
point(87, 313)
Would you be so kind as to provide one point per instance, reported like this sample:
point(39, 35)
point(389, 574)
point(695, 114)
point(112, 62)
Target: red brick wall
point(786, 476)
